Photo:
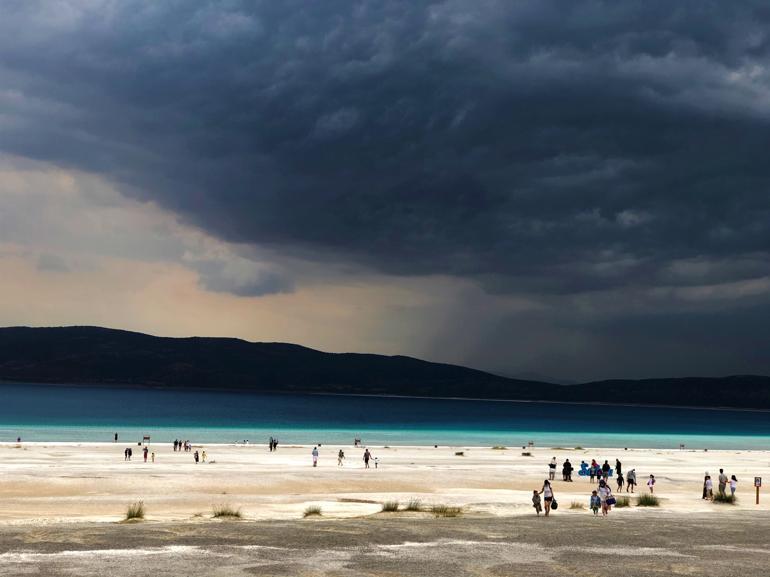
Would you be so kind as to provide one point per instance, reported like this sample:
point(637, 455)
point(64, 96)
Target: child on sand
point(536, 502)
point(596, 502)
point(153, 456)
point(651, 483)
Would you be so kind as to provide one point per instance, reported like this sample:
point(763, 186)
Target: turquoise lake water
point(66, 413)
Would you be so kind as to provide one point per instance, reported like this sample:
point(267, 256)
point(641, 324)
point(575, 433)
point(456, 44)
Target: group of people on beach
point(185, 446)
point(602, 497)
point(273, 444)
point(368, 458)
point(723, 481)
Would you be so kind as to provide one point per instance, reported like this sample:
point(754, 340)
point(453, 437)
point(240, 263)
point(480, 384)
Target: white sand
point(59, 482)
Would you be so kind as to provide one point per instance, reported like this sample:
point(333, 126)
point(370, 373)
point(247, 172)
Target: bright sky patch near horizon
point(572, 189)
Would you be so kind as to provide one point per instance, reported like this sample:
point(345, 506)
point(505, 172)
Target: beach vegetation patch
point(724, 498)
point(226, 511)
point(135, 511)
point(648, 500)
point(442, 510)
point(579, 448)
point(622, 502)
point(312, 511)
point(499, 448)
point(459, 453)
point(413, 505)
point(577, 505)
point(390, 506)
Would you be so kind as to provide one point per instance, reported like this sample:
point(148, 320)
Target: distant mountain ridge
point(101, 356)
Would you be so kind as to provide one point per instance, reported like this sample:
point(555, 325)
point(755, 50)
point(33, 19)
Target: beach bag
point(611, 501)
point(554, 505)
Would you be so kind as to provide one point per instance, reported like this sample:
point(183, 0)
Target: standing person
point(130, 453)
point(146, 451)
point(733, 484)
point(547, 493)
point(706, 477)
point(552, 469)
point(651, 483)
point(367, 456)
point(592, 470)
point(116, 438)
point(176, 444)
point(275, 444)
point(153, 456)
point(536, 502)
point(376, 462)
point(618, 467)
point(196, 456)
point(567, 470)
point(315, 456)
point(620, 481)
point(722, 481)
point(604, 494)
point(340, 458)
point(709, 488)
point(125, 454)
point(595, 502)
point(631, 480)
point(203, 455)
point(606, 470)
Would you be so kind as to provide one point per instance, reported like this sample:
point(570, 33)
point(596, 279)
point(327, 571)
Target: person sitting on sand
point(651, 483)
point(340, 458)
point(536, 502)
point(631, 480)
point(547, 493)
point(595, 503)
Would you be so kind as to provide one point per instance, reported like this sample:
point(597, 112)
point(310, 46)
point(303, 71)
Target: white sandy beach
point(66, 482)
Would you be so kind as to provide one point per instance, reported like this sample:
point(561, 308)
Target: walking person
point(146, 452)
point(315, 456)
point(367, 456)
point(552, 469)
point(125, 455)
point(620, 482)
point(722, 481)
point(196, 456)
point(651, 483)
point(631, 480)
point(606, 470)
point(536, 502)
point(709, 488)
point(340, 458)
point(595, 502)
point(605, 494)
point(547, 493)
point(618, 467)
point(130, 453)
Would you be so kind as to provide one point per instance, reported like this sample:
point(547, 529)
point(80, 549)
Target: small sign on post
point(757, 484)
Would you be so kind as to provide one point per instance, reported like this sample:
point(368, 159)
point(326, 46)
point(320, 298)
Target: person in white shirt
point(733, 484)
point(547, 493)
point(604, 494)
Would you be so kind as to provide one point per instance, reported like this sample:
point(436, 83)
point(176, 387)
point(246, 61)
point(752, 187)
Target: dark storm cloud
point(554, 146)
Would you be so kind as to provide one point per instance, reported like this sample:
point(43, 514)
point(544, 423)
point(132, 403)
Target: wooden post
point(757, 485)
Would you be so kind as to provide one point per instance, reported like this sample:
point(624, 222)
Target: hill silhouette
point(102, 356)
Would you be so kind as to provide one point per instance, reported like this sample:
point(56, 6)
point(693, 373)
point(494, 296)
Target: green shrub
point(414, 505)
point(648, 500)
point(724, 498)
point(622, 502)
point(390, 506)
point(135, 511)
point(499, 448)
point(577, 505)
point(225, 511)
point(445, 510)
point(312, 510)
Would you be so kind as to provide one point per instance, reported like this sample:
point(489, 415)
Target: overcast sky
point(574, 189)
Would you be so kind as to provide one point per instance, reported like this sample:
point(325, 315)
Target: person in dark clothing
point(618, 467)
point(606, 470)
point(567, 471)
